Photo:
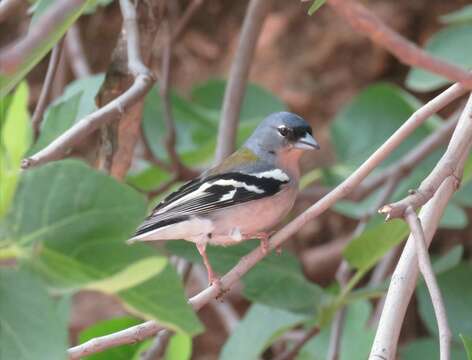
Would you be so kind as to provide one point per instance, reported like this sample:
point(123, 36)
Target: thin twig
point(43, 96)
point(181, 26)
point(239, 72)
point(367, 23)
point(143, 80)
point(76, 53)
point(404, 277)
point(293, 352)
point(150, 328)
point(426, 269)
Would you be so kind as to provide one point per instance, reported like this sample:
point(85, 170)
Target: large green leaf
point(76, 102)
point(457, 293)
point(276, 281)
point(370, 246)
point(253, 334)
point(447, 44)
point(463, 15)
point(257, 102)
point(78, 219)
point(124, 352)
point(9, 78)
point(371, 117)
point(356, 340)
point(31, 324)
point(15, 138)
point(428, 348)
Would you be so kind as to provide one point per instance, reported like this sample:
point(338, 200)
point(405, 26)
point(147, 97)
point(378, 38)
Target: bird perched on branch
point(243, 197)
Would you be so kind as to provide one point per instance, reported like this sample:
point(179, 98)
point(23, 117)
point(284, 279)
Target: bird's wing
point(204, 195)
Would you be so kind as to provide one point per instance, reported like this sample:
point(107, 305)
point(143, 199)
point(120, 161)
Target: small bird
point(243, 197)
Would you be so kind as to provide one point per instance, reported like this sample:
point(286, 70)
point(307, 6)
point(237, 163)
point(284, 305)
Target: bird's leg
point(212, 278)
point(264, 237)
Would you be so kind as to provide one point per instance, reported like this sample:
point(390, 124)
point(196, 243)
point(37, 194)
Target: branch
point(426, 270)
point(150, 328)
point(404, 277)
point(239, 72)
point(185, 19)
point(76, 53)
point(448, 165)
point(43, 96)
point(367, 23)
point(23, 48)
point(143, 80)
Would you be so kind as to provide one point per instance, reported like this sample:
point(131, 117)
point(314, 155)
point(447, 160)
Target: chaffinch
point(241, 198)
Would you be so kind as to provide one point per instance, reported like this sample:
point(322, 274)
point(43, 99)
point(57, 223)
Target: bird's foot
point(265, 242)
point(278, 250)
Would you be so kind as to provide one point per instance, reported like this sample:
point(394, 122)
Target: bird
point(244, 197)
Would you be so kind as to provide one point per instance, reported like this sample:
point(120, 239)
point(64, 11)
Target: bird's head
point(282, 132)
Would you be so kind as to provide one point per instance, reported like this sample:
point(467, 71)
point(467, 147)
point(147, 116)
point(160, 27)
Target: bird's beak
point(307, 142)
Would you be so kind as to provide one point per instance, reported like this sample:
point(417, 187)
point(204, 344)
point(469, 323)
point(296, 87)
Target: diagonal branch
point(150, 328)
point(367, 23)
point(426, 269)
point(43, 96)
point(143, 80)
point(76, 53)
point(239, 72)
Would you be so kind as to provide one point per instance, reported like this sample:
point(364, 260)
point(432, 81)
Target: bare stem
point(426, 270)
point(239, 72)
point(76, 53)
point(45, 90)
point(293, 352)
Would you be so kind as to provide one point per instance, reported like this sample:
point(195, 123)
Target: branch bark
point(366, 22)
point(239, 72)
point(404, 277)
point(150, 328)
point(113, 110)
point(426, 269)
point(76, 53)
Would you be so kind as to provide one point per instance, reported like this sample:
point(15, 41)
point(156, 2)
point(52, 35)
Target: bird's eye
point(283, 131)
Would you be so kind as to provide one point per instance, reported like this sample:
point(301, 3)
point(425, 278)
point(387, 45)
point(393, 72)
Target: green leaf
point(467, 341)
point(315, 6)
point(448, 45)
point(454, 217)
point(147, 177)
point(462, 15)
point(93, 5)
point(77, 101)
point(15, 138)
point(123, 352)
point(275, 281)
point(428, 348)
point(457, 293)
point(371, 117)
point(9, 78)
point(253, 335)
point(449, 260)
point(370, 246)
point(356, 340)
point(31, 324)
point(463, 196)
point(76, 217)
point(257, 102)
point(179, 348)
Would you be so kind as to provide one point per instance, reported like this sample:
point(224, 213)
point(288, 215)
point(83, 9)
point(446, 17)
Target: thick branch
point(449, 164)
point(239, 72)
point(426, 269)
point(43, 96)
point(367, 23)
point(23, 48)
point(150, 328)
point(143, 80)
